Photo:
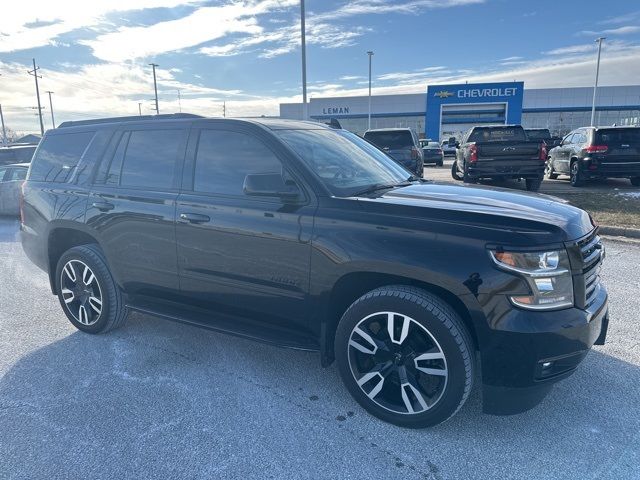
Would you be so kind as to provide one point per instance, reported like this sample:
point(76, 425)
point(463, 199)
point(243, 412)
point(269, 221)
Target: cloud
point(349, 78)
point(607, 46)
point(627, 17)
point(624, 30)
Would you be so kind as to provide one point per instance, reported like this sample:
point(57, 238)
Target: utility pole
point(53, 121)
point(224, 109)
point(155, 86)
point(304, 62)
point(370, 53)
point(140, 108)
point(4, 132)
point(34, 72)
point(179, 102)
point(595, 85)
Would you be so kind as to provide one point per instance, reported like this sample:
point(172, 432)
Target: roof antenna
point(334, 123)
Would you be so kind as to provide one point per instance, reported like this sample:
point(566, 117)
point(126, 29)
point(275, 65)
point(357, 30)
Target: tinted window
point(58, 156)
point(579, 138)
point(113, 175)
point(224, 158)
point(497, 134)
point(618, 136)
point(150, 158)
point(391, 140)
point(538, 134)
point(2, 173)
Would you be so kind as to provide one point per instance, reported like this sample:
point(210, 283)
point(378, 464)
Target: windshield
point(391, 140)
point(344, 162)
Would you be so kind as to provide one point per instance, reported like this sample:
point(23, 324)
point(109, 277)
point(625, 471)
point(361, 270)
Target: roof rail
point(132, 118)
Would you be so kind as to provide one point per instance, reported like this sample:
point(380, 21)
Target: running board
point(243, 328)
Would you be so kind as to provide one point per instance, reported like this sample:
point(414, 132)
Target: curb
point(619, 231)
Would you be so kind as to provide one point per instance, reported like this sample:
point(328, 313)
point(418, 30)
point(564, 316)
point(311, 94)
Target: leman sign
point(335, 110)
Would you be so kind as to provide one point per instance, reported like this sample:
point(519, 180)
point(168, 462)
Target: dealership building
point(449, 110)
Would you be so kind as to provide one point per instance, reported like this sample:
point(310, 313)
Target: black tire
point(82, 293)
point(394, 401)
point(440, 163)
point(575, 175)
point(454, 171)
point(551, 173)
point(635, 181)
point(533, 184)
point(466, 178)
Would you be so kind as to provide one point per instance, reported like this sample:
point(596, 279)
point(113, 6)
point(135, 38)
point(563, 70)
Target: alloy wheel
point(81, 292)
point(397, 363)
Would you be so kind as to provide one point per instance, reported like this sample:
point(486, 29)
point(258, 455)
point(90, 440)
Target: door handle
point(194, 217)
point(103, 206)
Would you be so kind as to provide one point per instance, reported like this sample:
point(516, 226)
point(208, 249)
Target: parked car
point(309, 237)
point(448, 148)
point(432, 152)
point(11, 178)
point(543, 135)
point(500, 152)
point(401, 144)
point(16, 154)
point(597, 152)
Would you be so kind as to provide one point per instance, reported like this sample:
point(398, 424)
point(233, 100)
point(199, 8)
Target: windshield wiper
point(381, 186)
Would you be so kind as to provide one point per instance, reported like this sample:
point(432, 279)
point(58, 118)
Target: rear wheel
point(533, 184)
point(550, 172)
point(405, 356)
point(576, 176)
point(87, 291)
point(454, 171)
point(466, 178)
point(635, 181)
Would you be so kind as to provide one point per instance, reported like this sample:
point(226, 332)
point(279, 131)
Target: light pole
point(370, 53)
point(595, 86)
point(53, 121)
point(155, 86)
point(304, 61)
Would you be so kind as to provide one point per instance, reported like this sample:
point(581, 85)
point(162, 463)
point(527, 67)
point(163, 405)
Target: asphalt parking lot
point(162, 400)
point(559, 186)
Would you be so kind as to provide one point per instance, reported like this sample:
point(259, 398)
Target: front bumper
point(529, 351)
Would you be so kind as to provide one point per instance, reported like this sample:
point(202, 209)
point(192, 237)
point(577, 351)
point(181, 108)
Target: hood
point(488, 207)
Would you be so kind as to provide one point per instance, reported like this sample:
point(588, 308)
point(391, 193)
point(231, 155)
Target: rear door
point(562, 155)
point(132, 206)
point(243, 255)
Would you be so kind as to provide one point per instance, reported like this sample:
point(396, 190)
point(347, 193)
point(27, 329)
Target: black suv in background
point(309, 237)
point(597, 152)
point(401, 144)
point(543, 135)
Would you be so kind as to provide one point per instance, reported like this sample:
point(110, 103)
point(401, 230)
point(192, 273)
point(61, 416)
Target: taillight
point(414, 153)
point(596, 149)
point(543, 152)
point(473, 153)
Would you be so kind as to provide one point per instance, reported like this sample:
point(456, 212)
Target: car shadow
point(151, 381)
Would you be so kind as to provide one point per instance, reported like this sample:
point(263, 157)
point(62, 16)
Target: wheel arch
point(60, 238)
point(351, 286)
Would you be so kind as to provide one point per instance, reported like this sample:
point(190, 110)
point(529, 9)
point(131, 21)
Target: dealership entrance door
point(457, 119)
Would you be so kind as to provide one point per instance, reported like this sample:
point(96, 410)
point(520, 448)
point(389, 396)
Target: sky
point(94, 55)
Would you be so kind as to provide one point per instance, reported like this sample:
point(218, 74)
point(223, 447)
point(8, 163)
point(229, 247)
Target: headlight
point(547, 274)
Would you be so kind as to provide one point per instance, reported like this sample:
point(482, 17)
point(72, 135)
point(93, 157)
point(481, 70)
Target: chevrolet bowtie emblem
point(443, 94)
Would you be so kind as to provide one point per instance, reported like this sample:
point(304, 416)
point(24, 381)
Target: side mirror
point(269, 185)
point(457, 144)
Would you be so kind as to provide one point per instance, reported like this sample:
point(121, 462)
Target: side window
point(567, 140)
point(150, 158)
point(113, 175)
point(224, 158)
point(3, 171)
point(16, 174)
point(58, 156)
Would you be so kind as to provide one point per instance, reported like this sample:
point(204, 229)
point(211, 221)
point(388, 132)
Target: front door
point(239, 254)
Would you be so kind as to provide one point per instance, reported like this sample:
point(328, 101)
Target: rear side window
point(618, 136)
point(58, 157)
point(500, 134)
point(224, 158)
point(150, 159)
point(391, 140)
point(16, 174)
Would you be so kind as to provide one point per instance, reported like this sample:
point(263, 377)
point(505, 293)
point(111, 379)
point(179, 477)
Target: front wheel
point(405, 356)
point(87, 291)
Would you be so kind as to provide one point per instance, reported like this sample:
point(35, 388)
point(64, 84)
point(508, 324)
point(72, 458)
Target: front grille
point(591, 254)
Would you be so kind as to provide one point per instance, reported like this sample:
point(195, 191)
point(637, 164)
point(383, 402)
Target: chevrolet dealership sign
point(487, 92)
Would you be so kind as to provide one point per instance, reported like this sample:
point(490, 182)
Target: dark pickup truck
point(309, 237)
point(543, 135)
point(500, 152)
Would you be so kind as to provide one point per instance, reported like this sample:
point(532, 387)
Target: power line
point(34, 72)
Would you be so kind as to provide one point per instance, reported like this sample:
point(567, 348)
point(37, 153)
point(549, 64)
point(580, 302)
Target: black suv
point(597, 152)
point(401, 144)
point(309, 237)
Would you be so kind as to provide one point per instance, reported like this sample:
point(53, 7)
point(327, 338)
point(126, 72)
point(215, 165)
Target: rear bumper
point(530, 351)
point(516, 170)
point(594, 169)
